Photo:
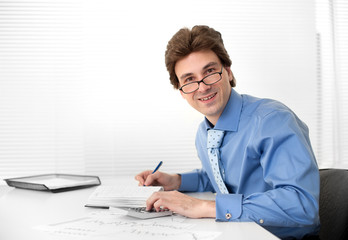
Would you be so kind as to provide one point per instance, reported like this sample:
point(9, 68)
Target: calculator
point(140, 212)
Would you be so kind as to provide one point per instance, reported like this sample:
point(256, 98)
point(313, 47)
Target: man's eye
point(210, 70)
point(190, 79)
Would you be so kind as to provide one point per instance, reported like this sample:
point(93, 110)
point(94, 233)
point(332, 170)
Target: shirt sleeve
point(195, 181)
point(289, 168)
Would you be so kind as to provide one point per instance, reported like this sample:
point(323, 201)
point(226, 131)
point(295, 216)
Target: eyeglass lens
point(208, 80)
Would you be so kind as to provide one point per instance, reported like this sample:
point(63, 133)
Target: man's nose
point(203, 87)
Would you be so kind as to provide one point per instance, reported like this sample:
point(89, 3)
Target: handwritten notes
point(115, 225)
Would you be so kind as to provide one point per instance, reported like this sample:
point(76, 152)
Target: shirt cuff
point(228, 206)
point(189, 182)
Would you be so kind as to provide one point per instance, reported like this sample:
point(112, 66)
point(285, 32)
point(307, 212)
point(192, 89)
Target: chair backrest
point(333, 204)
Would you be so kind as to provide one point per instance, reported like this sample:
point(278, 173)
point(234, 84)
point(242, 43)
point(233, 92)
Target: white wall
point(105, 93)
point(271, 43)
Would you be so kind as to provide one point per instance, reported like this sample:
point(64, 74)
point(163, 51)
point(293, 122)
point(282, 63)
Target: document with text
point(121, 196)
point(110, 225)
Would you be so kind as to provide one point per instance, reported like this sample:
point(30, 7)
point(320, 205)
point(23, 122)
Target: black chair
point(333, 204)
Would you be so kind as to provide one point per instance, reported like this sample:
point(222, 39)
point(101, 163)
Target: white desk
point(22, 210)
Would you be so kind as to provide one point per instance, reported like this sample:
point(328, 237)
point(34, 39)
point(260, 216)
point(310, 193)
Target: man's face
point(208, 100)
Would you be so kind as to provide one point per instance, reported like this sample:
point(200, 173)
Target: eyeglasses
point(207, 80)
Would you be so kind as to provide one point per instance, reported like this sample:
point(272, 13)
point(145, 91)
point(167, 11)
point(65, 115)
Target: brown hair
point(186, 41)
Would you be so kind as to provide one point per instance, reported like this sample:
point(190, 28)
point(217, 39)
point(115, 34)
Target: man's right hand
point(167, 181)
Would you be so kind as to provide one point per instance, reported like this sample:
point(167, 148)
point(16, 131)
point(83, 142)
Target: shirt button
point(228, 216)
point(261, 221)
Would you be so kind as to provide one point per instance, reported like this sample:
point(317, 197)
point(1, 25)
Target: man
point(266, 173)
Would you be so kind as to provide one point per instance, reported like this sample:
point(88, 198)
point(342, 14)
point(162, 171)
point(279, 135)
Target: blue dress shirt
point(267, 164)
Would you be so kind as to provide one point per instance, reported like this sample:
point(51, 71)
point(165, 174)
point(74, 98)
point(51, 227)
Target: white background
point(84, 89)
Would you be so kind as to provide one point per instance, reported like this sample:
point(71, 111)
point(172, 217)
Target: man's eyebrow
point(205, 67)
point(185, 75)
point(210, 65)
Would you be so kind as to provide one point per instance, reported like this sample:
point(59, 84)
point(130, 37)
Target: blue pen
point(158, 166)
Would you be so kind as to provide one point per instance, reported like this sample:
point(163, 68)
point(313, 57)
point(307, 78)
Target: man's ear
point(230, 74)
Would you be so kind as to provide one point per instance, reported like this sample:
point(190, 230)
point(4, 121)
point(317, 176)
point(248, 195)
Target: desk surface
point(23, 210)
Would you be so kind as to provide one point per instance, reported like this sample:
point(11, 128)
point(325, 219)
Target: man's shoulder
point(261, 107)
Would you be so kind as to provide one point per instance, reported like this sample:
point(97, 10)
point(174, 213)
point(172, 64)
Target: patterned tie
point(213, 144)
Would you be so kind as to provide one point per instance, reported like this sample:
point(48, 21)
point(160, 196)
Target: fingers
point(155, 201)
point(140, 180)
point(181, 204)
point(152, 179)
point(146, 178)
point(163, 200)
point(141, 177)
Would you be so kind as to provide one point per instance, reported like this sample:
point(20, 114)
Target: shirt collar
point(229, 119)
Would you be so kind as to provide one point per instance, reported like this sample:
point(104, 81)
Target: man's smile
point(207, 98)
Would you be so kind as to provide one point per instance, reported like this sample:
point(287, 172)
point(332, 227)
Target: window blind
point(340, 10)
point(40, 79)
point(84, 87)
point(332, 25)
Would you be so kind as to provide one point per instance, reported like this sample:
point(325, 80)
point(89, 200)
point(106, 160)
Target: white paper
point(121, 196)
point(104, 225)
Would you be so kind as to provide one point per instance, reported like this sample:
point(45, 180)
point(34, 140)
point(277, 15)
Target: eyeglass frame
point(202, 81)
